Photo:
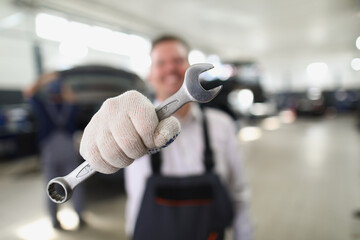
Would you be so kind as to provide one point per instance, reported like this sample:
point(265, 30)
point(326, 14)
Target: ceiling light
point(51, 27)
point(245, 98)
point(355, 64)
point(196, 56)
point(95, 37)
point(73, 50)
point(317, 70)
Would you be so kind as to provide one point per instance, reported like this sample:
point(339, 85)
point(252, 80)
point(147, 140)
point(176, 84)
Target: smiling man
point(193, 188)
point(185, 158)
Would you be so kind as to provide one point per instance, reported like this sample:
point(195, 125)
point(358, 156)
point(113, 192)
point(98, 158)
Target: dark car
point(91, 84)
point(17, 126)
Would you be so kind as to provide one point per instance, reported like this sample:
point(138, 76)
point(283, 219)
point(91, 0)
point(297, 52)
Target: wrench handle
point(172, 104)
point(68, 183)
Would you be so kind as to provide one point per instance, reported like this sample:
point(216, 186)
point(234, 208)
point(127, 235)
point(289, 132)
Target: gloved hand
point(125, 128)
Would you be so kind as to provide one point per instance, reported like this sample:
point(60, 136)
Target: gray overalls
point(178, 208)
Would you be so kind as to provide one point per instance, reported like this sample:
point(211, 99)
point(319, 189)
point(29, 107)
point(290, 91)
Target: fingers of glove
point(122, 130)
point(143, 117)
point(127, 138)
point(112, 132)
point(90, 152)
point(120, 113)
point(110, 150)
point(166, 132)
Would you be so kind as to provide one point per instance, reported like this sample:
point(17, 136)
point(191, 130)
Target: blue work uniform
point(56, 126)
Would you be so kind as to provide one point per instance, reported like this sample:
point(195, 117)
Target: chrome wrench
point(190, 91)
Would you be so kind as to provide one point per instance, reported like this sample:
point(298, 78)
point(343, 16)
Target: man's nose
point(171, 67)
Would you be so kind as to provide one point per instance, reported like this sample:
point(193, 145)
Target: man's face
point(168, 67)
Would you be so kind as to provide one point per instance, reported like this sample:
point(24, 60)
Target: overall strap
point(156, 162)
point(156, 159)
point(208, 153)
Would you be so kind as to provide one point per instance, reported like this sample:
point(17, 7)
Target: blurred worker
point(55, 110)
point(172, 194)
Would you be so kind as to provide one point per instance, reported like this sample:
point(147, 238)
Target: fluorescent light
point(358, 43)
point(226, 73)
point(317, 70)
point(241, 100)
point(102, 39)
point(95, 37)
point(51, 27)
point(73, 49)
point(245, 98)
point(196, 56)
point(140, 64)
point(355, 64)
point(79, 32)
point(139, 45)
point(220, 71)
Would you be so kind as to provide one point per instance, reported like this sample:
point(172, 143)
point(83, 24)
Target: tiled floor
point(304, 179)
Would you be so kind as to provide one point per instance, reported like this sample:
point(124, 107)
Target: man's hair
point(169, 38)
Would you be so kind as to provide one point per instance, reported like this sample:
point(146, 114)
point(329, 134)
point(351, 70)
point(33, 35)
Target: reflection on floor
point(304, 178)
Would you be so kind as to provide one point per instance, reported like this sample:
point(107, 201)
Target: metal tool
point(190, 91)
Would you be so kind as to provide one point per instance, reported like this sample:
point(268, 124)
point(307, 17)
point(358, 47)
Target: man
point(183, 158)
point(56, 114)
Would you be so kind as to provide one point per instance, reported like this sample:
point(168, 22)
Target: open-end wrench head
point(192, 83)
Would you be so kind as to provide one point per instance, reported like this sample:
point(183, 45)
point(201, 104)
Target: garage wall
point(289, 73)
point(16, 61)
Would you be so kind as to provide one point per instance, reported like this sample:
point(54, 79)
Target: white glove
point(125, 128)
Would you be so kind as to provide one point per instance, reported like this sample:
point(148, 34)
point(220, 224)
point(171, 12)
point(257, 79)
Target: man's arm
point(40, 82)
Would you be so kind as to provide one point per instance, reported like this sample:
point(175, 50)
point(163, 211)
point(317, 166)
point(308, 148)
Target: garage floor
point(304, 178)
